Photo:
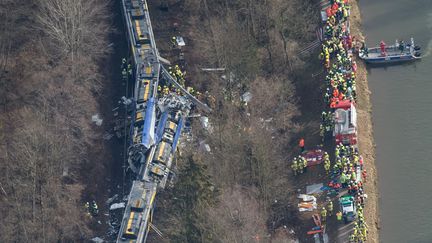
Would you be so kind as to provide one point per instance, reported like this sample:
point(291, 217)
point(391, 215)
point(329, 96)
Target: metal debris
point(97, 120)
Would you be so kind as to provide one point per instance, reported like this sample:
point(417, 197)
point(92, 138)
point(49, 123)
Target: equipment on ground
point(313, 157)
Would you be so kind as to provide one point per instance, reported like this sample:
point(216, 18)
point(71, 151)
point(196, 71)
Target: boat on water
point(400, 52)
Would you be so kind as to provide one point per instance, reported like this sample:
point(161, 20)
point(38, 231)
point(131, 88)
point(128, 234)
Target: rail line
point(157, 125)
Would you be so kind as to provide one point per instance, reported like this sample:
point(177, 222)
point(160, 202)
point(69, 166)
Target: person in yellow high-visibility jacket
point(294, 166)
point(323, 214)
point(330, 208)
point(327, 166)
point(174, 41)
point(339, 216)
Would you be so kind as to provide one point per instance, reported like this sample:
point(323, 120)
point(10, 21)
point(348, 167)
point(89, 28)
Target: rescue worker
point(123, 63)
point(337, 151)
point(336, 169)
point(323, 214)
point(330, 208)
point(353, 176)
point(364, 175)
point(326, 97)
point(294, 166)
point(87, 206)
point(352, 238)
point(304, 163)
point(326, 156)
point(339, 216)
point(339, 164)
point(383, 48)
point(94, 209)
point(401, 46)
point(129, 67)
point(191, 90)
point(323, 116)
point(173, 41)
point(322, 132)
point(165, 90)
point(364, 233)
point(124, 74)
point(356, 231)
point(301, 145)
point(343, 179)
point(327, 166)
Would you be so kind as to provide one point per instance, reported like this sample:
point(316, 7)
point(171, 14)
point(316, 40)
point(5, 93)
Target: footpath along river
point(402, 120)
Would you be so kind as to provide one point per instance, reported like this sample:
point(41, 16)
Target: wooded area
point(53, 54)
point(242, 191)
point(51, 76)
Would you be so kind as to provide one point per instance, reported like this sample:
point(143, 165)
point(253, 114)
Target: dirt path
point(366, 141)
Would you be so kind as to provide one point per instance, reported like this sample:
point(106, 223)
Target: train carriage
point(152, 151)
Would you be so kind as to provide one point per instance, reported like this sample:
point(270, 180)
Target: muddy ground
point(103, 175)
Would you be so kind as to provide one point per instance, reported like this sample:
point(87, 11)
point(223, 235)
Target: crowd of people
point(327, 124)
point(299, 165)
point(340, 84)
point(337, 49)
point(92, 208)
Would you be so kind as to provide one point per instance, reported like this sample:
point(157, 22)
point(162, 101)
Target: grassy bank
point(366, 140)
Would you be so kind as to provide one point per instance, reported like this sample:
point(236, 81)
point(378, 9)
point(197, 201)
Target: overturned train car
point(156, 128)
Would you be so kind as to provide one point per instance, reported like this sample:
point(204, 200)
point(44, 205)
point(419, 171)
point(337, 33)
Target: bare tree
point(76, 27)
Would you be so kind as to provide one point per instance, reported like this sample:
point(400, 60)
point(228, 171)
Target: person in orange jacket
point(302, 144)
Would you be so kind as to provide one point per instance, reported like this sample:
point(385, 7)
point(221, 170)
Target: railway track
point(157, 126)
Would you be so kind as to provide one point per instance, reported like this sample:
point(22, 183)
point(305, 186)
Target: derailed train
point(156, 129)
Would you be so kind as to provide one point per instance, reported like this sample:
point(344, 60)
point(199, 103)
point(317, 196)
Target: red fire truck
point(345, 123)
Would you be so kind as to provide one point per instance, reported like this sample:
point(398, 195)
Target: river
point(402, 120)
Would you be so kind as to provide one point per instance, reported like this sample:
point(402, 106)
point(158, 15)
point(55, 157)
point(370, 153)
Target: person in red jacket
point(329, 12)
point(383, 47)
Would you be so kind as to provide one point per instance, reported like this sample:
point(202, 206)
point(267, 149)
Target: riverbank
point(365, 134)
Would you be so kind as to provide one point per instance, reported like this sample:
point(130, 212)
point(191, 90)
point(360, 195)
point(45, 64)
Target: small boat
point(399, 52)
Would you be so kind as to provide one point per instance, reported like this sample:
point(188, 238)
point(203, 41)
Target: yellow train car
point(144, 90)
point(142, 36)
point(163, 152)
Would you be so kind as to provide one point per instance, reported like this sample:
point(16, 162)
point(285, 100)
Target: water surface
point(402, 117)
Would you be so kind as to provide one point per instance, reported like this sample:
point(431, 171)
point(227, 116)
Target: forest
point(243, 189)
point(51, 82)
point(56, 71)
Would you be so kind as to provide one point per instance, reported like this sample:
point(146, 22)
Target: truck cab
point(345, 123)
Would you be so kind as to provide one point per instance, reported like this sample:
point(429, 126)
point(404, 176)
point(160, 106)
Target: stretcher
point(313, 157)
point(312, 232)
